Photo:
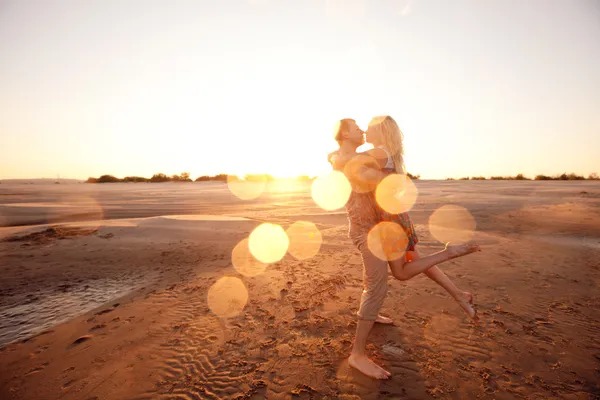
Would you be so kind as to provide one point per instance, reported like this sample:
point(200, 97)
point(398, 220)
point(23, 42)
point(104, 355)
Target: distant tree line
point(206, 178)
point(185, 177)
point(520, 177)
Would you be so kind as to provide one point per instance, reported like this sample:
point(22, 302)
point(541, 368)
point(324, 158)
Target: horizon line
point(520, 176)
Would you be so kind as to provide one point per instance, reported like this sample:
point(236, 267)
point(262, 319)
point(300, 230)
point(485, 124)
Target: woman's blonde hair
point(392, 139)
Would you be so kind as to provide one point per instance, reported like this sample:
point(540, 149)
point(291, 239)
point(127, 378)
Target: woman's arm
point(371, 175)
point(379, 155)
point(363, 171)
point(361, 168)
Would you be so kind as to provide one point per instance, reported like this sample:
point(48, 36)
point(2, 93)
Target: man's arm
point(336, 161)
point(370, 175)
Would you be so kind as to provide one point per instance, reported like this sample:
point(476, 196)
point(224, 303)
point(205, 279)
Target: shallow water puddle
point(37, 312)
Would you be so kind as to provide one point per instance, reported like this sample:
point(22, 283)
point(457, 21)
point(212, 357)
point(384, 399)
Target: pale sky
point(479, 87)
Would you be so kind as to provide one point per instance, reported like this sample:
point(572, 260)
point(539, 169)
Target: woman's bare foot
point(368, 367)
point(384, 320)
point(459, 250)
point(465, 300)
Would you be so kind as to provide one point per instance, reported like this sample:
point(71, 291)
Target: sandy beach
point(134, 291)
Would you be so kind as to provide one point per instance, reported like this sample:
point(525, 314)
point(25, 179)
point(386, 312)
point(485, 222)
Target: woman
point(386, 137)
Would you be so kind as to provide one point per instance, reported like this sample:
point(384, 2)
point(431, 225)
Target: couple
point(364, 171)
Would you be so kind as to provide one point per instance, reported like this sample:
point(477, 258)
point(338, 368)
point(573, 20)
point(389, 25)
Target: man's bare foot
point(368, 367)
point(459, 250)
point(465, 300)
point(384, 320)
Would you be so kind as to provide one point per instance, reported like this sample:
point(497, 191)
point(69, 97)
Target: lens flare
point(396, 193)
point(331, 191)
point(244, 262)
point(227, 297)
point(387, 241)
point(355, 171)
point(285, 185)
point(247, 189)
point(268, 243)
point(305, 239)
point(452, 223)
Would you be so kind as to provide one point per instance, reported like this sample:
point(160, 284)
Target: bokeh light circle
point(227, 297)
point(247, 189)
point(396, 193)
point(353, 169)
point(387, 241)
point(244, 262)
point(305, 239)
point(331, 191)
point(268, 243)
point(452, 223)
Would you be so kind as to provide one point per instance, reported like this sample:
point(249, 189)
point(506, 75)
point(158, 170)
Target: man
point(362, 216)
point(364, 174)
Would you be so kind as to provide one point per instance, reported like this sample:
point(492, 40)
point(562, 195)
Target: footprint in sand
point(80, 340)
point(96, 327)
point(543, 322)
point(499, 323)
point(67, 384)
point(37, 369)
point(108, 309)
point(39, 350)
point(392, 350)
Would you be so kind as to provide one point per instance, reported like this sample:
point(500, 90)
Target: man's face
point(355, 134)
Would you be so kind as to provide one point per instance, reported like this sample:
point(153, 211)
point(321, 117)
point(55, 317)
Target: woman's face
point(373, 134)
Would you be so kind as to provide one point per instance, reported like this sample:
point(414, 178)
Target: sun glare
point(331, 191)
point(268, 243)
point(452, 223)
point(387, 241)
point(227, 297)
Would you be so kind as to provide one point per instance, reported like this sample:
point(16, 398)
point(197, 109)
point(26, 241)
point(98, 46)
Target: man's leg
point(375, 289)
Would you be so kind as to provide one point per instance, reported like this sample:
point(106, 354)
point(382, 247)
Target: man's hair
point(342, 127)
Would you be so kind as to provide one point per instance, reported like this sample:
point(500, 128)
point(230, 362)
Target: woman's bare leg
point(464, 299)
point(403, 270)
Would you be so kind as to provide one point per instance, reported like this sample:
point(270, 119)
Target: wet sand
point(106, 294)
